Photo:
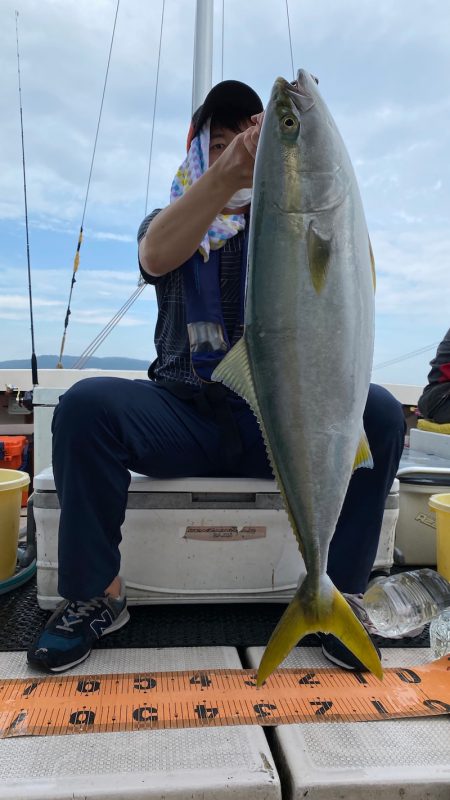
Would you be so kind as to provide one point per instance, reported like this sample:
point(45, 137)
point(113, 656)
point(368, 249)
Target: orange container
point(13, 451)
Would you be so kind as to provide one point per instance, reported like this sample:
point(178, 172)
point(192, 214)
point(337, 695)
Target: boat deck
point(407, 758)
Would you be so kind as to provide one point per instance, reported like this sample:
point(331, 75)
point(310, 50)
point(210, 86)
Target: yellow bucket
point(440, 503)
point(12, 483)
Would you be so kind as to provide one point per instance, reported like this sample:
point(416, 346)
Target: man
point(434, 402)
point(179, 423)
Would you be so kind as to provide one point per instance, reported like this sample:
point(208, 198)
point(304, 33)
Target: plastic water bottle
point(405, 601)
point(440, 634)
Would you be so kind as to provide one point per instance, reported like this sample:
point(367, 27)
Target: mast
point(203, 52)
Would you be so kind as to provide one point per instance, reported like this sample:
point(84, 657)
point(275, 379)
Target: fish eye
point(289, 122)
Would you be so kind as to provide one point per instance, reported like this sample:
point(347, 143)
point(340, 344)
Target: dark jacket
point(434, 403)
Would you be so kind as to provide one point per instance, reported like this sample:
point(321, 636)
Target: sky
point(384, 70)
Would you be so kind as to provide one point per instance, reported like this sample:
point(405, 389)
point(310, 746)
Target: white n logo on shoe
point(100, 624)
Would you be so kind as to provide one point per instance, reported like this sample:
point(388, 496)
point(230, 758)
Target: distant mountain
point(50, 362)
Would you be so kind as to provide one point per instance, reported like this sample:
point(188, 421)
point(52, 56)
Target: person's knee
point(81, 406)
point(383, 418)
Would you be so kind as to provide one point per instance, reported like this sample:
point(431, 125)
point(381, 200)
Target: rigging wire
point(154, 107)
point(80, 236)
point(34, 369)
point(100, 338)
point(223, 29)
point(290, 40)
point(406, 356)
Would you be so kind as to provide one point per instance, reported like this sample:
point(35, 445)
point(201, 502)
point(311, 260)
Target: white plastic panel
point(408, 759)
point(215, 763)
point(435, 444)
point(412, 460)
point(416, 526)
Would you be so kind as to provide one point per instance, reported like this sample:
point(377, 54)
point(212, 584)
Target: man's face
point(220, 138)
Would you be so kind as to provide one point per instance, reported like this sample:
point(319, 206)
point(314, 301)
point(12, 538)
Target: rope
point(290, 40)
point(100, 338)
point(406, 356)
point(34, 371)
point(154, 107)
point(76, 260)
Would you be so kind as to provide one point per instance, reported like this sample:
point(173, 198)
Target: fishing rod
point(154, 105)
point(76, 260)
point(34, 369)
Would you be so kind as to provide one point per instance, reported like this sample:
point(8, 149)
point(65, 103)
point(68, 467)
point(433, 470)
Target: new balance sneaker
point(73, 629)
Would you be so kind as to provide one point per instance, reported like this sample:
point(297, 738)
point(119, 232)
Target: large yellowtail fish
point(304, 362)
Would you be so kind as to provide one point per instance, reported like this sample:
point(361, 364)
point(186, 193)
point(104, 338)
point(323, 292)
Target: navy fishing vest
point(208, 339)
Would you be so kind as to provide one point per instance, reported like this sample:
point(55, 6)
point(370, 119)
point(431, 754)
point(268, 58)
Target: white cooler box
point(421, 475)
point(197, 540)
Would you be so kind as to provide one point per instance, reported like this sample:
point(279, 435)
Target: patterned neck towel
point(224, 226)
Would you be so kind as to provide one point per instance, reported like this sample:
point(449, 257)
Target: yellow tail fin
point(311, 611)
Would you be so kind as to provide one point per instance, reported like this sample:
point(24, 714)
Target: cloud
point(97, 298)
point(410, 219)
point(20, 302)
point(116, 237)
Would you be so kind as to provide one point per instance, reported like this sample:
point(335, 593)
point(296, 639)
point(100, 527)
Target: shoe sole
point(121, 620)
point(342, 664)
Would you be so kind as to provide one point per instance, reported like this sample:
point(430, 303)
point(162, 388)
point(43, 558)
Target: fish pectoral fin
point(363, 456)
point(319, 251)
point(321, 610)
point(234, 371)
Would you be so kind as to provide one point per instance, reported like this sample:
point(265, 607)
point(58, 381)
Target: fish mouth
point(297, 92)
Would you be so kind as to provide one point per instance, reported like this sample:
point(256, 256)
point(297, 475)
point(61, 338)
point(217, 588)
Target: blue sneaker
point(339, 654)
point(73, 629)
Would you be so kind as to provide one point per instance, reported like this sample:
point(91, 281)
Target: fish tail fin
point(322, 608)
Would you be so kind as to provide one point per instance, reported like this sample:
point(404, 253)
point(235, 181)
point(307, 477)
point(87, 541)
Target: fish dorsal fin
point(319, 250)
point(234, 371)
point(372, 264)
point(363, 456)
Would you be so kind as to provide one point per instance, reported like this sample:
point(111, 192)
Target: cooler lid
point(44, 482)
point(418, 476)
point(423, 469)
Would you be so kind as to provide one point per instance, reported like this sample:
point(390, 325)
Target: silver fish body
point(304, 362)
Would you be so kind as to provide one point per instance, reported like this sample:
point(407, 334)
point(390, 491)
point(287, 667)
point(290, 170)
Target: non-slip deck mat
point(201, 625)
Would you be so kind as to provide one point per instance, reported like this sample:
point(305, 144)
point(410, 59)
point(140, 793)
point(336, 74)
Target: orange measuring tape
point(188, 699)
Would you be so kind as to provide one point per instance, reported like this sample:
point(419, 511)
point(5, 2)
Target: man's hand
point(238, 160)
point(174, 234)
point(251, 135)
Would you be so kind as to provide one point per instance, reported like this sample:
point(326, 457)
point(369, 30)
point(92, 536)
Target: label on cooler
point(224, 533)
point(426, 519)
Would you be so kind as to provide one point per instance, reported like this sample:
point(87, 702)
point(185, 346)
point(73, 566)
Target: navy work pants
point(104, 427)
